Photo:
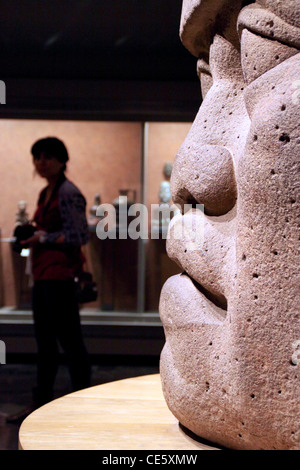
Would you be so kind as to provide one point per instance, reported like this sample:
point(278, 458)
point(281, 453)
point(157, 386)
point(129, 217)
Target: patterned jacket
point(63, 214)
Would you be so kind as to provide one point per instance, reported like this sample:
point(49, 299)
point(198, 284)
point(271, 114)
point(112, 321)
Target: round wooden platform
point(123, 415)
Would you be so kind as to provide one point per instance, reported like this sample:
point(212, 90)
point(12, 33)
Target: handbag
point(21, 233)
point(86, 288)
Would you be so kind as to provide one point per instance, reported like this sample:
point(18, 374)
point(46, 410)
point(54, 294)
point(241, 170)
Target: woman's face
point(47, 166)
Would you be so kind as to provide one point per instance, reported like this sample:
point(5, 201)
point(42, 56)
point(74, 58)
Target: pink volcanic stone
point(230, 365)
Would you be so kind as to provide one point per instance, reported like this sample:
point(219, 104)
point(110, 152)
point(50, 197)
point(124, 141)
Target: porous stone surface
point(230, 365)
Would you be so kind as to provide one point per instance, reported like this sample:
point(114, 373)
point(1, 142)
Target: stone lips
point(232, 317)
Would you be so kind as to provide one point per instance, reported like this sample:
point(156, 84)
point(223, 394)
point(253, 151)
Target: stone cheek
point(265, 313)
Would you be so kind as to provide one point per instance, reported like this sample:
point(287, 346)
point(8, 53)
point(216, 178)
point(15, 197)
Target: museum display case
point(113, 163)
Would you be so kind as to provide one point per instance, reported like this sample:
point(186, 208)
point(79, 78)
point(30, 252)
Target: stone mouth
point(185, 304)
point(219, 300)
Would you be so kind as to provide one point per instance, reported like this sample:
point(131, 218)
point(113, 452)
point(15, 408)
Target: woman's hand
point(34, 240)
point(39, 237)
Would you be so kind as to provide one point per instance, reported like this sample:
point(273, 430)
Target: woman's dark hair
point(51, 146)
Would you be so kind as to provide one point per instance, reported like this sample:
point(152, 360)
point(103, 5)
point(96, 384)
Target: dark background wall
point(96, 59)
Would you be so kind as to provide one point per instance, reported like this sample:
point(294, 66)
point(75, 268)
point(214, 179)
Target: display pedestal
point(115, 264)
point(22, 288)
point(129, 414)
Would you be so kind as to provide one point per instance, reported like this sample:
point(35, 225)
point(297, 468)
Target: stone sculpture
point(230, 365)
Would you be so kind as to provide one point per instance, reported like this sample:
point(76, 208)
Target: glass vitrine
point(110, 162)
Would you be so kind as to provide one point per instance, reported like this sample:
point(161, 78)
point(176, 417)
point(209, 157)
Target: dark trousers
point(57, 320)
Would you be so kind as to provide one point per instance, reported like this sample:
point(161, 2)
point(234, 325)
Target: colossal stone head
point(230, 367)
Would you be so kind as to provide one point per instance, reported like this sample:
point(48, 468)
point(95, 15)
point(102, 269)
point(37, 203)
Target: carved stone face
point(230, 367)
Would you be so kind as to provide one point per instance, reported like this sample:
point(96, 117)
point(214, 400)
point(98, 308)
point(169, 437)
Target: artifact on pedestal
point(164, 190)
point(161, 215)
point(126, 198)
point(230, 365)
point(22, 217)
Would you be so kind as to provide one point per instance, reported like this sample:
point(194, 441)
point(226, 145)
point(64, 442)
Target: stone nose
point(204, 174)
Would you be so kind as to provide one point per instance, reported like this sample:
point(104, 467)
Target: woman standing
point(61, 230)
